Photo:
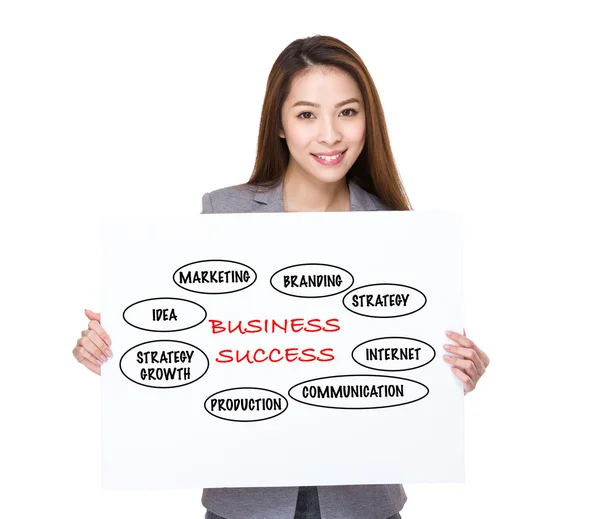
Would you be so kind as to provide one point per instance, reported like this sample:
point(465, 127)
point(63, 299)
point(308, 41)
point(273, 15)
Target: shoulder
point(362, 200)
point(378, 203)
point(232, 199)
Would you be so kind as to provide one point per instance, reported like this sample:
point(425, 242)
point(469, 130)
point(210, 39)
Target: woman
point(322, 146)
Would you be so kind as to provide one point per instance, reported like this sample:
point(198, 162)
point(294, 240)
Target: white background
point(493, 110)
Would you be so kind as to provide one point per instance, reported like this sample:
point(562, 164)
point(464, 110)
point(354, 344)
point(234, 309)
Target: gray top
point(336, 502)
point(254, 199)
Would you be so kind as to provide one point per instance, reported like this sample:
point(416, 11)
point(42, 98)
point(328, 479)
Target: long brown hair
point(374, 169)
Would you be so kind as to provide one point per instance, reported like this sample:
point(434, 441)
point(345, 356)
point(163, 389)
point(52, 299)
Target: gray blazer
point(336, 502)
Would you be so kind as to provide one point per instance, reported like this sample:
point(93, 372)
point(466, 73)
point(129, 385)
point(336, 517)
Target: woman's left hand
point(471, 367)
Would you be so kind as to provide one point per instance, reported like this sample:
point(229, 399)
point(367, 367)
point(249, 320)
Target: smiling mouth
point(329, 158)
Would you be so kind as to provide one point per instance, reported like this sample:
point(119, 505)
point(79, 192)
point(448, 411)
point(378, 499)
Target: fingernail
point(448, 333)
point(104, 359)
point(109, 341)
point(447, 357)
point(109, 352)
point(447, 346)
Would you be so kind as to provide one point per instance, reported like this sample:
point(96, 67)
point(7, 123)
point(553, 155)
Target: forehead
point(323, 85)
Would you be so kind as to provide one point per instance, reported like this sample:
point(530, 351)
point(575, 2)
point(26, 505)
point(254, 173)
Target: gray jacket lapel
point(271, 199)
point(360, 200)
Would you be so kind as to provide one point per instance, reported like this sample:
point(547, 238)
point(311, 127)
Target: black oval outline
point(384, 316)
point(394, 337)
point(215, 293)
point(359, 408)
point(161, 298)
point(319, 264)
point(164, 340)
point(287, 404)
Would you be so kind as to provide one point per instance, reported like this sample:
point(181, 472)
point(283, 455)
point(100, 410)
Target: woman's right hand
point(93, 347)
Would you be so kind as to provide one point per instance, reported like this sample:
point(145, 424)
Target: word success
point(275, 355)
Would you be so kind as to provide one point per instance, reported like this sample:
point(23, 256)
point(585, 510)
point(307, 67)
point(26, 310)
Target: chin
point(329, 177)
point(329, 174)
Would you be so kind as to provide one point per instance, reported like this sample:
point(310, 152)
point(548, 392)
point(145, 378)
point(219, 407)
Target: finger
point(81, 354)
point(89, 346)
point(468, 343)
point(91, 367)
point(465, 364)
point(95, 325)
point(93, 336)
point(92, 316)
point(484, 358)
point(468, 384)
point(460, 339)
point(467, 353)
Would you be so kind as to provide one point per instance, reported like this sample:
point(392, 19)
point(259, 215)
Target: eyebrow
point(317, 105)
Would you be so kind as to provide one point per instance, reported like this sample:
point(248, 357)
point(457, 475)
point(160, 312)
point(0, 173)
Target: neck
point(304, 193)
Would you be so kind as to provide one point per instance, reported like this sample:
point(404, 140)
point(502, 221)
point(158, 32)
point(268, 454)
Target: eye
point(305, 115)
point(345, 114)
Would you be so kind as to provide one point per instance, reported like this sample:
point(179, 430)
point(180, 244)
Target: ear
point(281, 133)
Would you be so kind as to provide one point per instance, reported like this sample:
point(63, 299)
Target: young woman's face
point(323, 121)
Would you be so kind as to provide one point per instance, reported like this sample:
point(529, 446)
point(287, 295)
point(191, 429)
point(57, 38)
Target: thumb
point(92, 316)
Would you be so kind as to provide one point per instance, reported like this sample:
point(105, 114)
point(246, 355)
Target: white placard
point(281, 349)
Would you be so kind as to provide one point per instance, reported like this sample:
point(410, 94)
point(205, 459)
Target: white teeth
point(329, 157)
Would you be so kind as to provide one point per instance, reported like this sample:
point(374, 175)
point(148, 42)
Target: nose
point(329, 133)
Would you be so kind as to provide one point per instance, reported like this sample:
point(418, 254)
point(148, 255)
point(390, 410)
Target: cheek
point(356, 133)
point(298, 136)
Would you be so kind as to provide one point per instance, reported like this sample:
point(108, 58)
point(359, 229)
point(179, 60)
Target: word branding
point(312, 280)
